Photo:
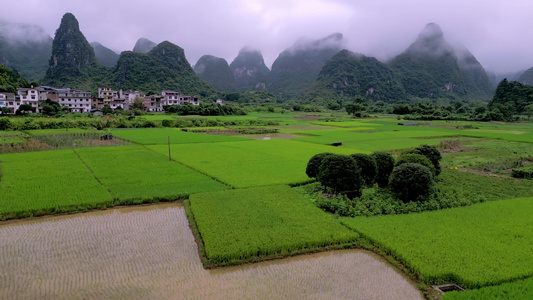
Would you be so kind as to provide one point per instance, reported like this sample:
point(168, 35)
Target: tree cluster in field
point(511, 98)
point(212, 109)
point(409, 178)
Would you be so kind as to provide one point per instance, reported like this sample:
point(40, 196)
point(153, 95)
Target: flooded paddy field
point(150, 253)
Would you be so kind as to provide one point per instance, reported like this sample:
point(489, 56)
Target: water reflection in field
point(150, 253)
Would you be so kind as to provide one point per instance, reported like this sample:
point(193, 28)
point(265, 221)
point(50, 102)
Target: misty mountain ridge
point(26, 48)
point(432, 68)
point(73, 61)
point(215, 71)
point(296, 69)
point(163, 67)
point(430, 42)
point(349, 74)
point(104, 55)
point(334, 40)
point(249, 70)
point(526, 77)
point(497, 78)
point(429, 68)
point(143, 45)
point(73, 64)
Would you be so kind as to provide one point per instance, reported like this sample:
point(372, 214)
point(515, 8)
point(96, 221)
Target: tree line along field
point(243, 208)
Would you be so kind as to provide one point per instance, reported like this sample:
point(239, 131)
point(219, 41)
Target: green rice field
point(242, 208)
point(38, 183)
point(160, 136)
point(520, 289)
point(265, 221)
point(251, 163)
point(479, 245)
point(134, 172)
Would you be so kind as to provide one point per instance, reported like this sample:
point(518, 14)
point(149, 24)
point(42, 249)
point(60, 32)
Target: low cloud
point(495, 32)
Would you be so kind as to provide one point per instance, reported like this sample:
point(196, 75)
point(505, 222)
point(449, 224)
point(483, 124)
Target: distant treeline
point(27, 123)
point(212, 109)
point(512, 98)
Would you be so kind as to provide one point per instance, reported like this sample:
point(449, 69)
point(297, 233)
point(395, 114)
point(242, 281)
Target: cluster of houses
point(84, 102)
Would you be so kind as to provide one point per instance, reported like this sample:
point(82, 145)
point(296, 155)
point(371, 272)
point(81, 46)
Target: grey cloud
point(22, 33)
point(496, 32)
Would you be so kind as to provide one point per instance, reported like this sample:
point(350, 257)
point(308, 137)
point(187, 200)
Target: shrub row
point(120, 122)
point(526, 173)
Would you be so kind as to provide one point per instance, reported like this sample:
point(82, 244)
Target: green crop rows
point(482, 245)
point(250, 163)
point(134, 172)
point(160, 136)
point(40, 183)
point(479, 245)
point(238, 225)
point(521, 289)
point(372, 140)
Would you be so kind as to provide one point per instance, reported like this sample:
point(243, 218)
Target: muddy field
point(150, 253)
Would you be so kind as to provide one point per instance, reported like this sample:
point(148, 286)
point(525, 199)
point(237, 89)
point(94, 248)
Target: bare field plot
point(241, 225)
point(150, 253)
point(134, 172)
point(480, 245)
point(250, 163)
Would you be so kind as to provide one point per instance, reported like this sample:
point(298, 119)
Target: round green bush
point(385, 164)
point(314, 163)
point(167, 123)
point(368, 166)
point(432, 153)
point(340, 173)
point(416, 159)
point(411, 182)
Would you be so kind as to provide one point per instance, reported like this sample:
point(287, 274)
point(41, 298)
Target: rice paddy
point(150, 253)
point(247, 224)
point(244, 211)
point(135, 172)
point(38, 183)
point(161, 136)
point(483, 244)
point(251, 163)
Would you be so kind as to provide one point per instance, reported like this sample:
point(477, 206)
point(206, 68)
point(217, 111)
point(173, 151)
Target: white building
point(32, 96)
point(10, 101)
point(75, 100)
point(130, 96)
point(174, 98)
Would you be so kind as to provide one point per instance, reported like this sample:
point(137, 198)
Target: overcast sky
point(498, 32)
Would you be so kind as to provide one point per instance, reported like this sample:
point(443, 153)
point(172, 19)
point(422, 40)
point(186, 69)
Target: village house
point(106, 94)
point(32, 96)
point(76, 100)
point(10, 101)
point(82, 102)
point(152, 103)
point(174, 98)
point(130, 96)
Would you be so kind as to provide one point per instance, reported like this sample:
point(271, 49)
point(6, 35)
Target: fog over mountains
point(26, 47)
point(430, 67)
